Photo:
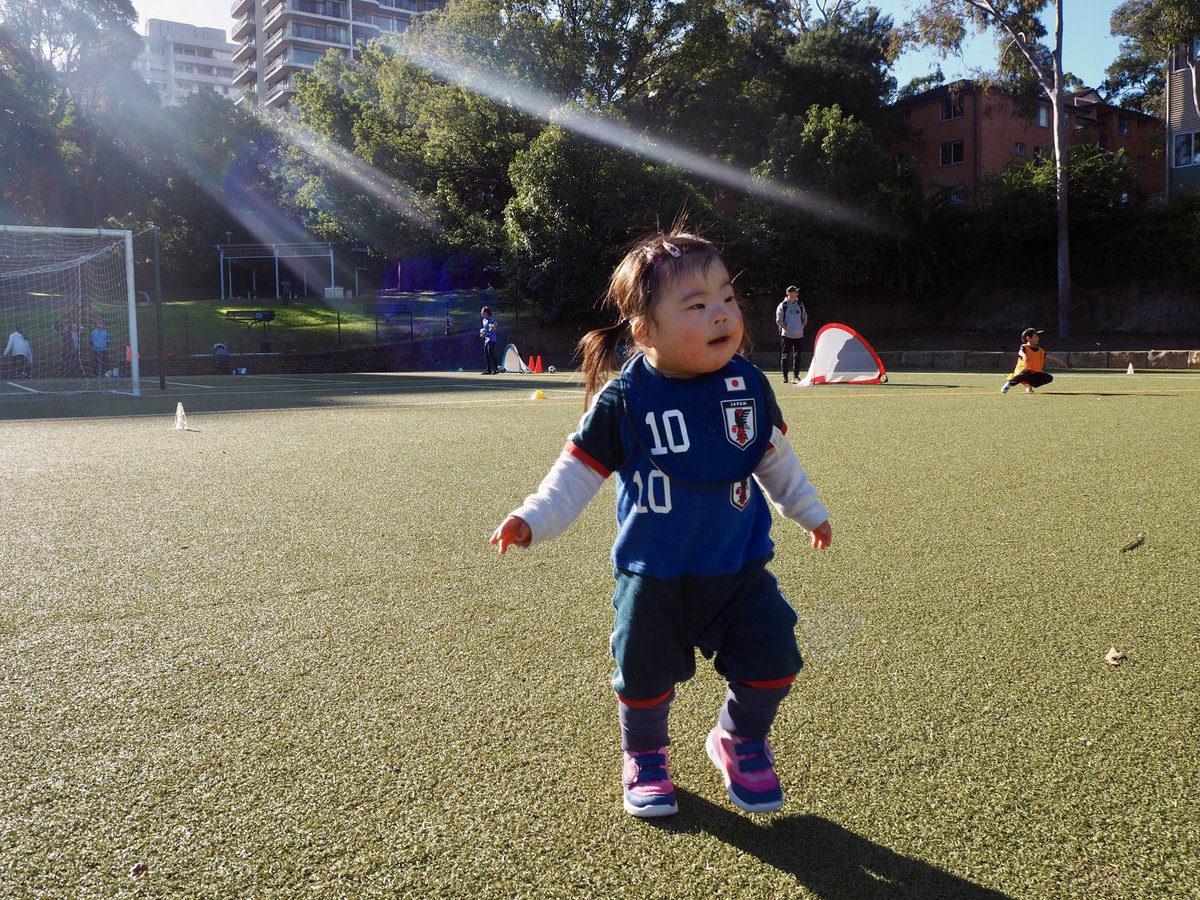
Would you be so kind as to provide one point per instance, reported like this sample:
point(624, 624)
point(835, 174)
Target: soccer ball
point(551, 370)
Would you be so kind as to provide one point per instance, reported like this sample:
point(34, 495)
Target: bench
point(252, 317)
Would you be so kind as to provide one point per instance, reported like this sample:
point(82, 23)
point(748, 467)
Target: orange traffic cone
point(531, 364)
point(539, 366)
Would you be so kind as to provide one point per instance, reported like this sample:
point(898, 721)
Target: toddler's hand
point(513, 530)
point(822, 536)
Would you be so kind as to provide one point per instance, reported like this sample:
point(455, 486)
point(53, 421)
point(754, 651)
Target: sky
point(1087, 46)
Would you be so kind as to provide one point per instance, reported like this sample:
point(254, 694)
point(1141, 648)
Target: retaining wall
point(449, 354)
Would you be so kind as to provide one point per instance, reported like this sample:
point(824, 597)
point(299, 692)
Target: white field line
point(23, 387)
point(490, 401)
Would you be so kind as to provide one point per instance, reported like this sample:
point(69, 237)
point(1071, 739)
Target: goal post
point(68, 311)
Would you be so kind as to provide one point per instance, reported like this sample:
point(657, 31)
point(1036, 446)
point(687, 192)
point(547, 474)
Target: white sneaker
point(1004, 387)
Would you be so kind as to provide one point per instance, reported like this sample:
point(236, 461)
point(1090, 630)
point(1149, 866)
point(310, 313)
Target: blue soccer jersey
point(684, 451)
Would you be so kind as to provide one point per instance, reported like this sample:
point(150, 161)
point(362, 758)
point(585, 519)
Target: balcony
point(243, 27)
point(291, 61)
point(244, 53)
point(320, 10)
point(246, 74)
point(365, 31)
point(240, 8)
point(279, 94)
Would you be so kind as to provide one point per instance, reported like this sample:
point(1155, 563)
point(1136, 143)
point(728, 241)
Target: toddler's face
point(695, 326)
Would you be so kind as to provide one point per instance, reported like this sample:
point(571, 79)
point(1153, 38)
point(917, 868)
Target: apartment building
point(959, 133)
point(178, 59)
point(1183, 120)
point(278, 38)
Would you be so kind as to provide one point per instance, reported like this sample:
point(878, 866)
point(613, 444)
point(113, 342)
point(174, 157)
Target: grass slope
point(273, 656)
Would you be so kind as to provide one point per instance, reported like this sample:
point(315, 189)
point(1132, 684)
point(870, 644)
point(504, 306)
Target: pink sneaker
point(748, 768)
point(648, 788)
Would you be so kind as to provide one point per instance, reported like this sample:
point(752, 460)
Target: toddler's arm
point(568, 487)
point(786, 485)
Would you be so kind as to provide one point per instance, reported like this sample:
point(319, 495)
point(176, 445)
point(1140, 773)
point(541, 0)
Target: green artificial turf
point(304, 325)
point(274, 656)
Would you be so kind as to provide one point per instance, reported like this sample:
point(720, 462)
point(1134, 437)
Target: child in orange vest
point(1031, 363)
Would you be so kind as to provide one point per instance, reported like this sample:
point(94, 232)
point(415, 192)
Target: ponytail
point(598, 349)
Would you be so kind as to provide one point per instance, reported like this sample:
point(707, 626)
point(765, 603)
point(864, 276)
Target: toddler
point(695, 437)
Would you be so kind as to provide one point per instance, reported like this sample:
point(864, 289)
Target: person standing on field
point(791, 317)
point(487, 332)
point(19, 349)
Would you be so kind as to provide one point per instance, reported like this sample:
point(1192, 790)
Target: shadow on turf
point(821, 855)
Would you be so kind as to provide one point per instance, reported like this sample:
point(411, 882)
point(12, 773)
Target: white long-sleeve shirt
point(571, 484)
point(18, 345)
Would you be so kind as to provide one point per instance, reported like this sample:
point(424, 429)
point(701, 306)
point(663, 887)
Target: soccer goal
point(68, 314)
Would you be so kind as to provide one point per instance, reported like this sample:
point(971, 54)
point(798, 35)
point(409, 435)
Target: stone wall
point(960, 360)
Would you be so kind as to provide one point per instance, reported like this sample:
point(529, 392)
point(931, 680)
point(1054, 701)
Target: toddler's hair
point(653, 264)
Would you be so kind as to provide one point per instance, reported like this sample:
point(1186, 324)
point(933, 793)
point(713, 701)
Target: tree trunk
point(1195, 69)
point(1061, 173)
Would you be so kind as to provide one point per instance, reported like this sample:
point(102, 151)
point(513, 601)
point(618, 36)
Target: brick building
point(959, 133)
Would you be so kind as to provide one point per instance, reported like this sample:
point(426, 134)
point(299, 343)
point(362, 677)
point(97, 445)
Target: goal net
point(68, 317)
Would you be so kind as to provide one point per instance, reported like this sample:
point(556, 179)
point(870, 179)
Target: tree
point(837, 161)
point(845, 62)
point(31, 169)
point(74, 59)
point(945, 23)
point(576, 206)
point(1150, 31)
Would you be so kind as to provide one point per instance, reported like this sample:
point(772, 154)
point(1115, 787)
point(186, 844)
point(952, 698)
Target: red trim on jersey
point(587, 459)
point(642, 704)
point(773, 683)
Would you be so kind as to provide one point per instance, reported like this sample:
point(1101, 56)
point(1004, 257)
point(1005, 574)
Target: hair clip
point(656, 256)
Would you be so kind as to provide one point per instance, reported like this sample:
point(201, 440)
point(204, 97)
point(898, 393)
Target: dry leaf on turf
point(1114, 656)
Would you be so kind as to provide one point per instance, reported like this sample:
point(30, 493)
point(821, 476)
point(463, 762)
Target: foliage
point(1149, 31)
point(829, 161)
point(845, 63)
point(577, 204)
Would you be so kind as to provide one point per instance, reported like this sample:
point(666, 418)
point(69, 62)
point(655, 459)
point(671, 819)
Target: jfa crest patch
point(739, 493)
point(740, 422)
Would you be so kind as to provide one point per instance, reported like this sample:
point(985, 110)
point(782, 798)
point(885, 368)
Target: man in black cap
point(791, 317)
point(1031, 361)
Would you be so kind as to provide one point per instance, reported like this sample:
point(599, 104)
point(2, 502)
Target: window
point(1019, 148)
point(1123, 124)
point(952, 153)
point(1043, 115)
point(952, 108)
point(1185, 147)
point(1186, 51)
point(1041, 152)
